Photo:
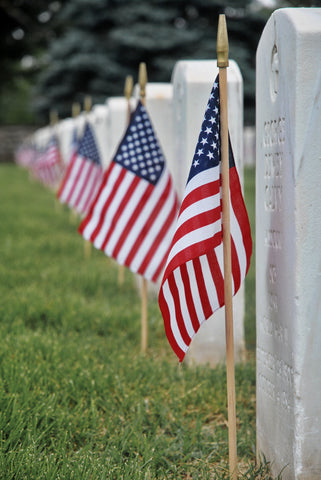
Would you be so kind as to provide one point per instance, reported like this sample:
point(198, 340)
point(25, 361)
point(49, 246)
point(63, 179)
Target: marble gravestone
point(192, 84)
point(117, 121)
point(65, 130)
point(159, 105)
point(98, 118)
point(288, 243)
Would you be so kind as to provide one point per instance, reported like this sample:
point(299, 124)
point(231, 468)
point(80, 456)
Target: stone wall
point(10, 138)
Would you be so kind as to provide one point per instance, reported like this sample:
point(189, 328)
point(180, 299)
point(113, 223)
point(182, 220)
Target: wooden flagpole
point(87, 108)
point(222, 63)
point(53, 115)
point(54, 119)
point(142, 79)
point(75, 111)
point(128, 90)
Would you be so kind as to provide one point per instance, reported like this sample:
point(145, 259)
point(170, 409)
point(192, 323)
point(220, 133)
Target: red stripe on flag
point(65, 179)
point(236, 271)
point(132, 220)
point(192, 251)
point(178, 313)
point(96, 173)
point(108, 201)
point(159, 237)
point(202, 287)
point(148, 224)
point(203, 191)
point(239, 208)
point(189, 297)
point(126, 198)
point(168, 329)
point(90, 166)
point(73, 186)
point(201, 220)
point(217, 276)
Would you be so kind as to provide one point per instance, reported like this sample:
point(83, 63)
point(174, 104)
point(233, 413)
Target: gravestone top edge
point(205, 68)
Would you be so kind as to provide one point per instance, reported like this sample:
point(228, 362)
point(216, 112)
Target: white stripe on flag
point(126, 216)
point(141, 220)
point(194, 237)
point(95, 218)
point(204, 205)
point(173, 323)
point(182, 301)
point(194, 289)
point(238, 241)
point(209, 283)
point(85, 166)
point(111, 211)
point(206, 176)
point(154, 229)
point(87, 184)
point(161, 251)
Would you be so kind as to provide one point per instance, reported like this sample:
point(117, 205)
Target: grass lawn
point(78, 400)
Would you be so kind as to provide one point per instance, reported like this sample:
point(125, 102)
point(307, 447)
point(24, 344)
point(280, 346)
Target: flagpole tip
point(128, 87)
point(87, 103)
point(76, 108)
point(142, 79)
point(53, 117)
point(222, 43)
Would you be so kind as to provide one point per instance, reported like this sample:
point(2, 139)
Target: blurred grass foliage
point(77, 398)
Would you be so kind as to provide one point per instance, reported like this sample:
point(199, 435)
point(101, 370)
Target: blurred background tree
point(55, 53)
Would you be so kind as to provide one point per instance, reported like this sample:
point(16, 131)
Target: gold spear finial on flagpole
point(75, 110)
point(222, 63)
point(53, 116)
point(87, 103)
point(222, 43)
point(128, 90)
point(142, 80)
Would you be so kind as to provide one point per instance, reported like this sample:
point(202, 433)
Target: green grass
point(249, 320)
point(78, 400)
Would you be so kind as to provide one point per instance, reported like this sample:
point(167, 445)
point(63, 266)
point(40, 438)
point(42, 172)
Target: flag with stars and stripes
point(49, 167)
point(193, 285)
point(133, 216)
point(83, 175)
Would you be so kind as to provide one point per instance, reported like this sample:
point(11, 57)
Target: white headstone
point(64, 131)
point(159, 105)
point(288, 243)
point(192, 83)
point(99, 119)
point(117, 121)
point(42, 137)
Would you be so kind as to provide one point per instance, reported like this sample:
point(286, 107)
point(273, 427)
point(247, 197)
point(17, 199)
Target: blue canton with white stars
point(207, 153)
point(139, 150)
point(88, 147)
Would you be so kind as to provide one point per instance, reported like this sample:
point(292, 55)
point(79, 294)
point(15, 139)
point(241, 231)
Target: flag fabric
point(48, 167)
point(83, 175)
point(193, 285)
point(133, 216)
point(24, 155)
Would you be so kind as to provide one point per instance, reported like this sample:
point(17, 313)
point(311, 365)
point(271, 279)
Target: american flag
point(48, 167)
point(133, 216)
point(25, 154)
point(83, 175)
point(193, 285)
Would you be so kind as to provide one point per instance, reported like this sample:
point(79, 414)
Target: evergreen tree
point(102, 41)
